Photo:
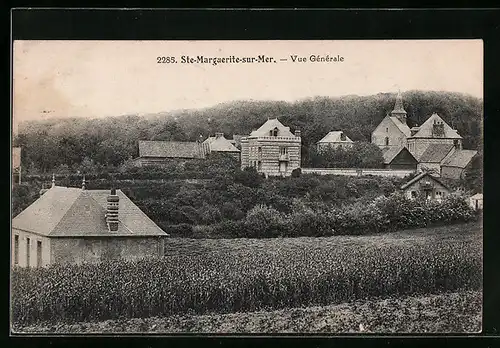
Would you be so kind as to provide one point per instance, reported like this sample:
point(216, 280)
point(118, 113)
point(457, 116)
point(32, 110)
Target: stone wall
point(358, 171)
point(78, 250)
point(38, 249)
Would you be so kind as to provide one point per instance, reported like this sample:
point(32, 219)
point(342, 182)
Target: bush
point(180, 230)
point(264, 222)
point(296, 172)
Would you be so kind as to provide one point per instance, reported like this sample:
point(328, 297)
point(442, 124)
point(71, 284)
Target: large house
point(334, 139)
point(272, 149)
point(219, 144)
point(154, 152)
point(75, 225)
point(426, 185)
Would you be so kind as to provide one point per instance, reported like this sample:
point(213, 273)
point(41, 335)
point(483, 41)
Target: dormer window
point(274, 132)
point(342, 137)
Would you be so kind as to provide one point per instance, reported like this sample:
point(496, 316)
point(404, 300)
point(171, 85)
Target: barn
point(75, 225)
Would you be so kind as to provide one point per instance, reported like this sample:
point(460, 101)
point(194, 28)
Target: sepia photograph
point(247, 187)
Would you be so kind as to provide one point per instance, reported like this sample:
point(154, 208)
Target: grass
point(243, 275)
point(456, 312)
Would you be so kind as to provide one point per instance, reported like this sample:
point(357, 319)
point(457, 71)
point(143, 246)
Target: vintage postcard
point(247, 187)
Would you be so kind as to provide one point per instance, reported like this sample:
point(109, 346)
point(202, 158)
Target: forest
point(87, 145)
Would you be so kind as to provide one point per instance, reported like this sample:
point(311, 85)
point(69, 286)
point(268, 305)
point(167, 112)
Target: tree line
point(78, 144)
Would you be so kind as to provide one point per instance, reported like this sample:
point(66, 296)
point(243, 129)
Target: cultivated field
point(217, 277)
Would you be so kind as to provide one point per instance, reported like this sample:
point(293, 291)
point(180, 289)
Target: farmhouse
point(16, 165)
point(154, 152)
point(272, 149)
point(398, 157)
point(75, 225)
point(220, 144)
point(334, 139)
point(425, 185)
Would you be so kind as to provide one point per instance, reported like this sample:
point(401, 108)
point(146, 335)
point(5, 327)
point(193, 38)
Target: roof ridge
point(64, 215)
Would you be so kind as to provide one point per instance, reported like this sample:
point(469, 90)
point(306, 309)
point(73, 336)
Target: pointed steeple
point(399, 110)
point(53, 180)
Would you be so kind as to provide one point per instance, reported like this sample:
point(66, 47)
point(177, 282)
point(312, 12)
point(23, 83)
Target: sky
point(110, 78)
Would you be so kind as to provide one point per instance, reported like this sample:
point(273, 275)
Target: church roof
point(270, 125)
point(398, 105)
point(435, 153)
point(460, 158)
point(73, 212)
point(425, 130)
point(403, 127)
point(169, 149)
point(335, 137)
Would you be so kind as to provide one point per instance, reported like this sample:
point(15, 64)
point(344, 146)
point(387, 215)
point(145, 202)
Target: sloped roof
point(335, 137)
point(73, 212)
point(390, 152)
point(220, 144)
point(477, 196)
point(435, 153)
point(169, 149)
point(403, 127)
point(420, 177)
point(270, 125)
point(425, 130)
point(460, 158)
point(16, 157)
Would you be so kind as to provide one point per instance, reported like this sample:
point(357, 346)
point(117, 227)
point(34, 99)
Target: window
point(16, 249)
point(283, 150)
point(38, 253)
point(259, 165)
point(260, 149)
point(275, 132)
point(386, 141)
point(456, 143)
point(28, 245)
point(387, 129)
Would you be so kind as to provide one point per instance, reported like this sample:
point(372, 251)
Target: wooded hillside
point(78, 143)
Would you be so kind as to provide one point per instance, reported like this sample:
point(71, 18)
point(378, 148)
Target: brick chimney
point(297, 133)
point(219, 135)
point(112, 211)
point(438, 129)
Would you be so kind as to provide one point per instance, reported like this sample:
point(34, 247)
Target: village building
point(433, 131)
point(398, 157)
point(16, 165)
point(236, 141)
point(334, 140)
point(75, 225)
point(272, 149)
point(455, 165)
point(426, 185)
point(156, 152)
point(219, 144)
point(476, 201)
point(433, 156)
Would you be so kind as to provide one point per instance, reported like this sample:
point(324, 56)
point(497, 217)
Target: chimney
point(112, 211)
point(53, 180)
point(219, 135)
point(83, 183)
point(297, 133)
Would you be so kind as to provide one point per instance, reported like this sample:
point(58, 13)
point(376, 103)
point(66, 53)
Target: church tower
point(399, 110)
